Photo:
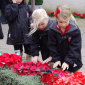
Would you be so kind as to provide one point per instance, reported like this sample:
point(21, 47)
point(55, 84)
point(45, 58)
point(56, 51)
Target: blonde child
point(42, 24)
point(17, 14)
point(64, 41)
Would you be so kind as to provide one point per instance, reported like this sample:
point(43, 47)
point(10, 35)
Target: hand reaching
point(35, 59)
point(65, 66)
point(56, 64)
point(47, 60)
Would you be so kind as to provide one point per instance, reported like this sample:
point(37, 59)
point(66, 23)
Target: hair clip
point(57, 11)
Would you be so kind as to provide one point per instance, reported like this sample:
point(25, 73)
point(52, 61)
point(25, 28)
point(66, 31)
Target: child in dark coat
point(42, 24)
point(17, 14)
point(64, 41)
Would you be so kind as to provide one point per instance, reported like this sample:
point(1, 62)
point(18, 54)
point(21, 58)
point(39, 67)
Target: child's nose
point(63, 24)
point(41, 26)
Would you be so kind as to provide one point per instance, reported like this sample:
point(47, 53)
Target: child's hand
point(47, 60)
point(56, 64)
point(31, 25)
point(65, 66)
point(35, 59)
point(14, 1)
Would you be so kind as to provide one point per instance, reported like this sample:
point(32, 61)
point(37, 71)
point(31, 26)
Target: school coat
point(66, 48)
point(40, 40)
point(3, 4)
point(19, 24)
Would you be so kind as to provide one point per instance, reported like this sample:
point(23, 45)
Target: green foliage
point(37, 2)
point(48, 10)
point(9, 78)
point(77, 17)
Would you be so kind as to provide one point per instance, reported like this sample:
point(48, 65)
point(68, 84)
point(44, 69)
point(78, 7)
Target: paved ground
point(9, 48)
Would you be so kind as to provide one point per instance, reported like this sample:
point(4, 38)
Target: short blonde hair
point(38, 15)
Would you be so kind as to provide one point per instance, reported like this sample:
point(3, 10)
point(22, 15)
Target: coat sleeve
point(53, 46)
point(74, 53)
point(35, 44)
point(11, 11)
point(30, 10)
point(30, 14)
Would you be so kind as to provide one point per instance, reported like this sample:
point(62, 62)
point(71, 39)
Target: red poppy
point(52, 12)
point(83, 15)
point(47, 13)
point(77, 78)
point(76, 14)
point(4, 55)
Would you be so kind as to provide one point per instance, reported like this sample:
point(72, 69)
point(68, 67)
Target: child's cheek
point(45, 25)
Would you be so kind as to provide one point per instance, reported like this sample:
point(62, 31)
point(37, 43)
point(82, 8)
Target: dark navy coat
point(3, 4)
point(66, 48)
point(19, 24)
point(40, 40)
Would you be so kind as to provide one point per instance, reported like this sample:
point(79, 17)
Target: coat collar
point(49, 25)
point(67, 28)
point(72, 27)
point(21, 4)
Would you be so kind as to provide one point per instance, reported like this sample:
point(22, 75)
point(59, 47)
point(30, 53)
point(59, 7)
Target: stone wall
point(75, 5)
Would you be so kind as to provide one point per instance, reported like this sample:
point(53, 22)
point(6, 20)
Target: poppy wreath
point(29, 68)
point(53, 76)
point(48, 76)
point(59, 77)
point(22, 68)
point(9, 60)
point(78, 78)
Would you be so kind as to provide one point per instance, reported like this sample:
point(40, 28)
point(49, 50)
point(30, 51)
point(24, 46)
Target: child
point(64, 41)
point(17, 14)
point(42, 24)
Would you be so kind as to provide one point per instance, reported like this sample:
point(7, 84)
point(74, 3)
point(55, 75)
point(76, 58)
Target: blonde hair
point(65, 13)
point(38, 15)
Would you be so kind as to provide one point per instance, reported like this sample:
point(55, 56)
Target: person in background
point(3, 4)
point(17, 14)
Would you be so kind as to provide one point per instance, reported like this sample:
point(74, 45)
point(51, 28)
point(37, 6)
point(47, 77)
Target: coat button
point(64, 36)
